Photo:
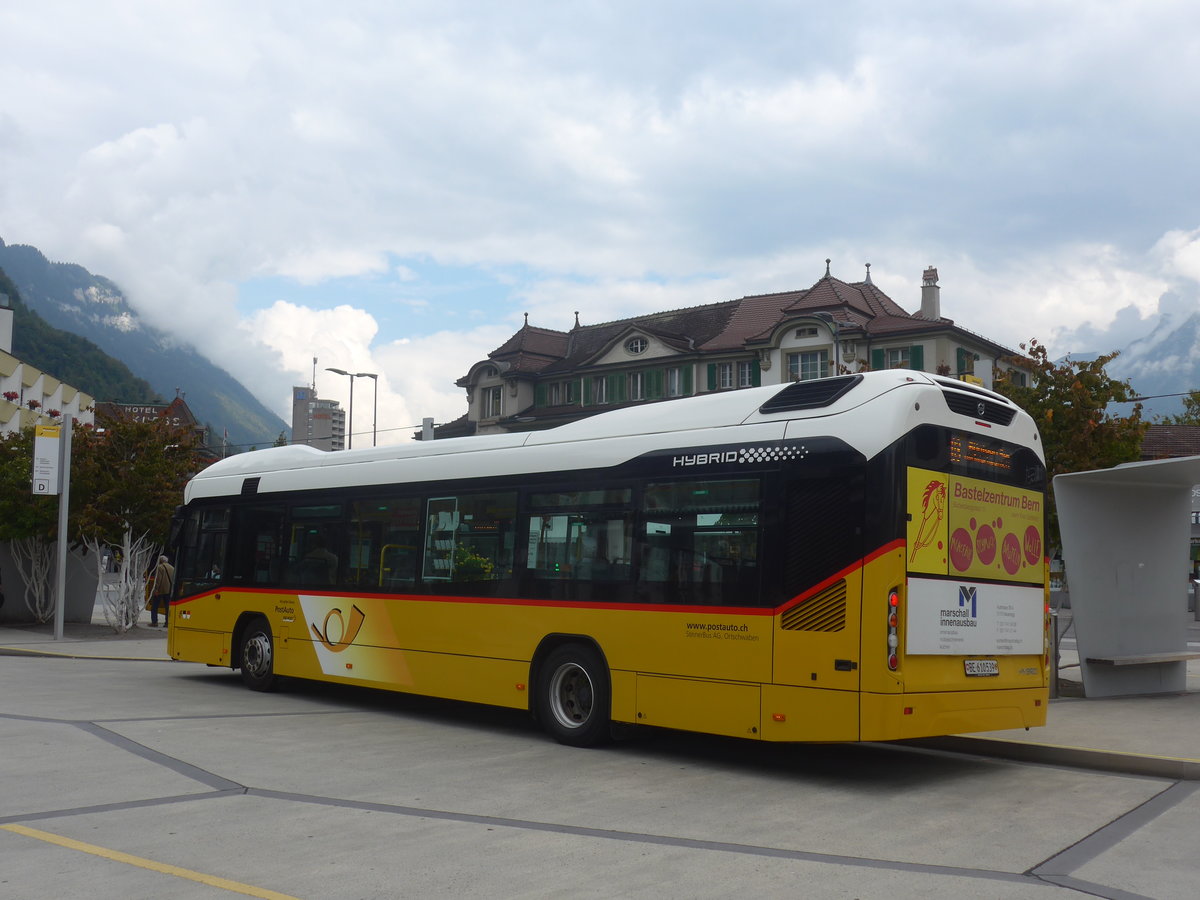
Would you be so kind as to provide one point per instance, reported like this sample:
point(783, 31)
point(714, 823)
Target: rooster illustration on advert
point(933, 504)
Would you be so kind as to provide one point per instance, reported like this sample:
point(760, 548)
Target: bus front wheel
point(257, 656)
point(573, 696)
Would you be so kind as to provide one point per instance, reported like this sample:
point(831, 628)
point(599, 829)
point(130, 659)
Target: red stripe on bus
point(833, 579)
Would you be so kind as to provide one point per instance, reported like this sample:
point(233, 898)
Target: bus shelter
point(1126, 534)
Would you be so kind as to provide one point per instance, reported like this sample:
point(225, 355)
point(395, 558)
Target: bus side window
point(580, 546)
point(205, 541)
point(699, 541)
point(316, 547)
point(470, 538)
point(385, 535)
point(256, 545)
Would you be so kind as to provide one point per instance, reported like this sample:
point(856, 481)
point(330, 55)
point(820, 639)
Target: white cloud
point(614, 158)
point(415, 377)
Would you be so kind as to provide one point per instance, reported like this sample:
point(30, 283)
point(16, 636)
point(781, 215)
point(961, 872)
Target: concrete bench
point(1144, 659)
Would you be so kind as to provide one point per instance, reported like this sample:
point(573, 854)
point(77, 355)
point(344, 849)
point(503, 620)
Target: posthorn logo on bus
point(343, 635)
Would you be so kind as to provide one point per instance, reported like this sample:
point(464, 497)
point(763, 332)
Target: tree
point(27, 522)
point(1069, 403)
point(126, 481)
point(1190, 414)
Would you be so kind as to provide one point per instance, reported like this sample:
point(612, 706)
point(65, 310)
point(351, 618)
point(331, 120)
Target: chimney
point(931, 300)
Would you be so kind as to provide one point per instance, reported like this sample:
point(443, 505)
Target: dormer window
point(636, 345)
point(489, 372)
point(808, 331)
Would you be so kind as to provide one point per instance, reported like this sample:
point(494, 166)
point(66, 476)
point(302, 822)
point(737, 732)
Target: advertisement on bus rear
point(967, 528)
point(974, 536)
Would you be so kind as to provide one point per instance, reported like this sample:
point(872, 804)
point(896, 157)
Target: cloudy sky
point(389, 186)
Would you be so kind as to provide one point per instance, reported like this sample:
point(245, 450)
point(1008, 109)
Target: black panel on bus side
point(822, 511)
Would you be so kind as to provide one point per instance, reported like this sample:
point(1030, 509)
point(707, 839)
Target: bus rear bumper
point(893, 717)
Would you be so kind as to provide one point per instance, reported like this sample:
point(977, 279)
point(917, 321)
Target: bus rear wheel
point(573, 696)
point(257, 656)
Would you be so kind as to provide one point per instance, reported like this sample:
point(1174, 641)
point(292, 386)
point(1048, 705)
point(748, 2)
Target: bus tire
point(574, 700)
point(256, 656)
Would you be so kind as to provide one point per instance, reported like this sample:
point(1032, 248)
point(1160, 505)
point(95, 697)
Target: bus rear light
point(908, 710)
point(520, 687)
point(779, 717)
point(893, 628)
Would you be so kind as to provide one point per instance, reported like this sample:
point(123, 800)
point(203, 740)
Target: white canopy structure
point(1125, 534)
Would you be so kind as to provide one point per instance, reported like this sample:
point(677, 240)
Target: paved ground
point(128, 775)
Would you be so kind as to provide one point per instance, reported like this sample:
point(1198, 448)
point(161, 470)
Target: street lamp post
point(350, 411)
point(375, 403)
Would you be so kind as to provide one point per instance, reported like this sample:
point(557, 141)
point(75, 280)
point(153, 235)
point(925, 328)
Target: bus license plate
point(981, 666)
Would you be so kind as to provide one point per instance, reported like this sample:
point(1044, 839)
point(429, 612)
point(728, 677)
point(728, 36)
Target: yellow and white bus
point(856, 558)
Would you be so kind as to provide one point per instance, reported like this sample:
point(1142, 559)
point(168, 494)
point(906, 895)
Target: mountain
point(1166, 361)
point(70, 298)
point(73, 359)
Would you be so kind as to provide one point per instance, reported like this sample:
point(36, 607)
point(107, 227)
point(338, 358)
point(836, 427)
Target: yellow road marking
point(118, 856)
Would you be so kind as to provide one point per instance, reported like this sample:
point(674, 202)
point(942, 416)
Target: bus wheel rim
point(571, 695)
point(258, 655)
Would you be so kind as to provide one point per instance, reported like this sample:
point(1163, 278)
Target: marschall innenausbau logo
point(968, 596)
point(344, 633)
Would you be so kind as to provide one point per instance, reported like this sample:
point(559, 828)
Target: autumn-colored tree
point(126, 480)
point(1069, 401)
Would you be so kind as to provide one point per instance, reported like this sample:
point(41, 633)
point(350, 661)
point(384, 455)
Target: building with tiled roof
point(29, 396)
point(1171, 441)
point(540, 377)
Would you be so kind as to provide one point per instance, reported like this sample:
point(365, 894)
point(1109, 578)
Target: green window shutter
point(712, 376)
point(686, 381)
point(654, 384)
point(616, 388)
point(877, 360)
point(755, 373)
point(916, 358)
point(539, 395)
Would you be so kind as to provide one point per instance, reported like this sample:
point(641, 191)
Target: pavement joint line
point(121, 806)
point(643, 838)
point(187, 770)
point(1108, 836)
point(216, 881)
point(1092, 889)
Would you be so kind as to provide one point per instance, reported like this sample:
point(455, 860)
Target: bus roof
point(780, 404)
